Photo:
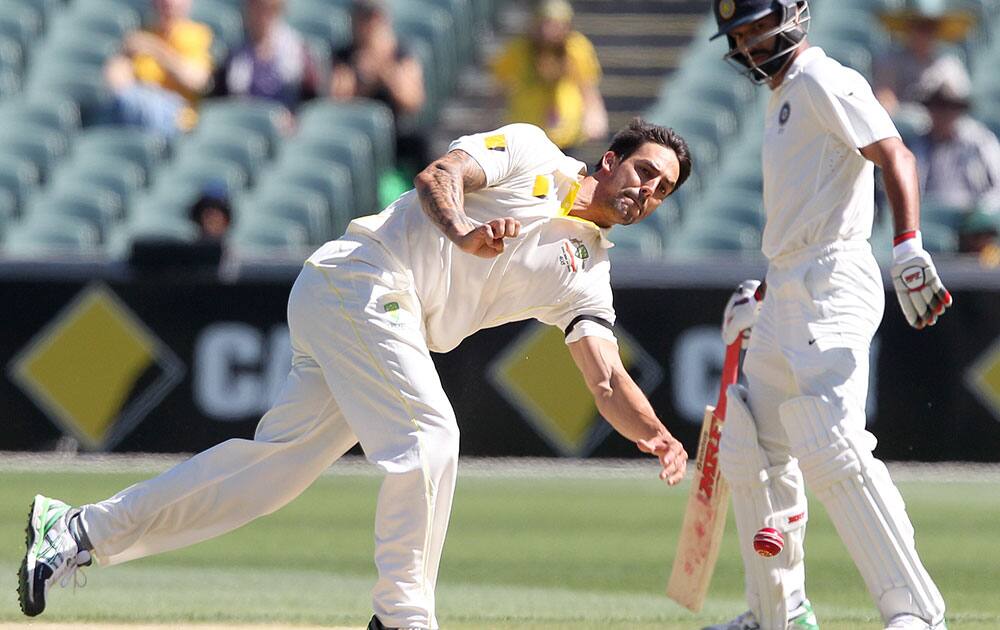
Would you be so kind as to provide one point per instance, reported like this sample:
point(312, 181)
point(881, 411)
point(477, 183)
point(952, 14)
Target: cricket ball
point(768, 542)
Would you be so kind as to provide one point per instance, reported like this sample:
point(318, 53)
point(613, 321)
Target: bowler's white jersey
point(556, 271)
point(818, 188)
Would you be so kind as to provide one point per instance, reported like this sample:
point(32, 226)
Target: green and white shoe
point(51, 556)
point(801, 618)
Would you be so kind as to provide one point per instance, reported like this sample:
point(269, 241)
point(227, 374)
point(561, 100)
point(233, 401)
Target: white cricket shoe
point(801, 618)
point(907, 621)
point(51, 556)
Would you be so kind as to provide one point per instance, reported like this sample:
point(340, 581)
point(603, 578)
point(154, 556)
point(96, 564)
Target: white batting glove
point(741, 312)
point(921, 295)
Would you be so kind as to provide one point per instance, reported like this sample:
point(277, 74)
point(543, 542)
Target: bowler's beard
point(626, 211)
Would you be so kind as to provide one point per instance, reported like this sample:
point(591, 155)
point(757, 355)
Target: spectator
point(377, 66)
point(958, 159)
point(273, 64)
point(978, 235)
point(550, 77)
point(920, 33)
point(161, 72)
point(212, 213)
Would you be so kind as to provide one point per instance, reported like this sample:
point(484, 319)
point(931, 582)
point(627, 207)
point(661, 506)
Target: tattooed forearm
point(442, 187)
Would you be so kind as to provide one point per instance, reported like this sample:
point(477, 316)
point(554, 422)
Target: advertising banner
point(180, 365)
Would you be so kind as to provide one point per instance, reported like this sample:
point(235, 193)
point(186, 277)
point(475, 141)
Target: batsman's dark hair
point(639, 132)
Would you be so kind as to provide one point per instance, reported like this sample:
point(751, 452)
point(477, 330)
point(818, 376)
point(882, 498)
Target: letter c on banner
point(697, 364)
point(227, 382)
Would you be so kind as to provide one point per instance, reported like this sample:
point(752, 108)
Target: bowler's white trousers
point(807, 371)
point(361, 371)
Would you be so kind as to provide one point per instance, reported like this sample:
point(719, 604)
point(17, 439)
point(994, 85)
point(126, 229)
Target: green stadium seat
point(11, 55)
point(307, 208)
point(265, 236)
point(40, 145)
point(415, 22)
point(106, 18)
point(321, 22)
point(741, 206)
point(118, 177)
point(333, 181)
point(98, 208)
point(172, 202)
point(225, 21)
point(464, 28)
point(640, 240)
point(45, 8)
point(714, 235)
point(248, 150)
point(10, 83)
point(196, 172)
point(372, 117)
point(352, 149)
point(19, 178)
point(21, 23)
point(142, 148)
point(51, 235)
point(79, 47)
point(939, 238)
point(257, 115)
point(58, 115)
point(8, 211)
point(78, 82)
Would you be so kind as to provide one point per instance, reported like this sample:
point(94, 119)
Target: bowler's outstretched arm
point(623, 404)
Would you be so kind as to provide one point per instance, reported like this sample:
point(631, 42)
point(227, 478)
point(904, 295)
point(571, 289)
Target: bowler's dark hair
point(639, 132)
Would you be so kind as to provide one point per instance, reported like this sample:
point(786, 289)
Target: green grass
point(521, 553)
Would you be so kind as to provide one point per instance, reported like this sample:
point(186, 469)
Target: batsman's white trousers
point(361, 371)
point(807, 371)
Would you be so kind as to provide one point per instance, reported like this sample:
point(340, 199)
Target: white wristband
point(908, 248)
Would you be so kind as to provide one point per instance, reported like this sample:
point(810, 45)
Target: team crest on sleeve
point(496, 142)
point(573, 253)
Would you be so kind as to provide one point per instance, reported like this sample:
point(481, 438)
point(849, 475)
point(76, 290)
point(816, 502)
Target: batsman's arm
point(899, 171)
point(624, 405)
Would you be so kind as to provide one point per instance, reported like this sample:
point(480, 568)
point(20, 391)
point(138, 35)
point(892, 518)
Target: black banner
point(182, 364)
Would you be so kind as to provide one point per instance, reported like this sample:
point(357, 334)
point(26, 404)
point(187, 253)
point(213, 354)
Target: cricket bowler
point(802, 418)
point(502, 228)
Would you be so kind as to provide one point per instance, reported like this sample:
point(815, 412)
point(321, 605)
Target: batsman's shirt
point(557, 271)
point(818, 188)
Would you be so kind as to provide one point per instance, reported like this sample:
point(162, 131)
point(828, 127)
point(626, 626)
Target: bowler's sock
point(79, 534)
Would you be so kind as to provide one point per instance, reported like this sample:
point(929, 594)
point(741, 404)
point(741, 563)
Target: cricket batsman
point(502, 228)
point(802, 419)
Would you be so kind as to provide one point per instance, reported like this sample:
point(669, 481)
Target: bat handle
point(730, 373)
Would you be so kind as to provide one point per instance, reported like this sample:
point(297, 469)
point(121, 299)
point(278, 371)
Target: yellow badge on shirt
point(542, 187)
point(496, 142)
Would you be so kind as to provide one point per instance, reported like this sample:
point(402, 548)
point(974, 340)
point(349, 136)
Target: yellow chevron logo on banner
point(983, 378)
point(96, 370)
point(537, 376)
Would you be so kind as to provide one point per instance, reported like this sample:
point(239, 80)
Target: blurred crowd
point(924, 83)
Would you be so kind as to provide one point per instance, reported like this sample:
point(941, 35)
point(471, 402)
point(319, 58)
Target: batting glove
point(921, 295)
point(741, 312)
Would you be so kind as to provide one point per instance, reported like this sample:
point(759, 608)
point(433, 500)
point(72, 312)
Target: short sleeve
point(589, 309)
point(509, 151)
point(849, 110)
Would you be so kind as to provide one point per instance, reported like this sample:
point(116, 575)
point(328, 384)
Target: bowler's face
point(638, 184)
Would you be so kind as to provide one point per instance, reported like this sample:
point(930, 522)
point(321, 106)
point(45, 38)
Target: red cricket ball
point(768, 542)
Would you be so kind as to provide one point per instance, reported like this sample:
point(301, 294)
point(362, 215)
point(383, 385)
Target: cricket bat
point(708, 500)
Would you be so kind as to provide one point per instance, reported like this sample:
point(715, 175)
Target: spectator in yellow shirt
point(550, 77)
point(161, 72)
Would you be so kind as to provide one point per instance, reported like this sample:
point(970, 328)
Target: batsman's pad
point(835, 455)
point(764, 496)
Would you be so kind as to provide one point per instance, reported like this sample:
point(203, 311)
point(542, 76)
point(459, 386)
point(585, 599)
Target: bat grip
point(730, 373)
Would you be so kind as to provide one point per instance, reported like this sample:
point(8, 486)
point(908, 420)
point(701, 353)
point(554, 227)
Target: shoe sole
point(28, 606)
